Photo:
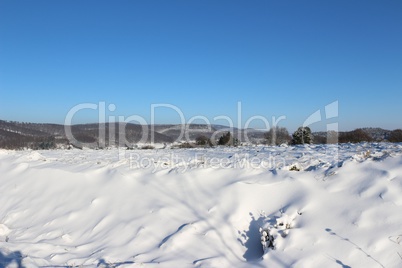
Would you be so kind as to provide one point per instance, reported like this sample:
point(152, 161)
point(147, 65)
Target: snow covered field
point(326, 206)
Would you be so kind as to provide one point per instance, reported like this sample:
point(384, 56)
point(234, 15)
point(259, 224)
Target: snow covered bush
point(276, 229)
point(267, 240)
point(294, 168)
point(302, 135)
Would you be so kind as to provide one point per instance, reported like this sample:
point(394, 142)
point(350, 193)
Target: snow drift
point(325, 206)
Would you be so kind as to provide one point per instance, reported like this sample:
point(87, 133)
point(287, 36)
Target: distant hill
point(192, 131)
point(16, 135)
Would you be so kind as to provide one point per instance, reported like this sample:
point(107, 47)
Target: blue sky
point(278, 58)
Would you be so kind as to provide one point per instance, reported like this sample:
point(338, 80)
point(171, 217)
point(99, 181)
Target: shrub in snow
point(294, 168)
point(203, 141)
point(227, 139)
point(185, 145)
point(147, 147)
point(302, 135)
point(267, 240)
point(275, 230)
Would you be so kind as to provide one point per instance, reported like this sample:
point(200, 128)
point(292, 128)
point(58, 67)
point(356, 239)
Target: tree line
point(15, 135)
point(304, 135)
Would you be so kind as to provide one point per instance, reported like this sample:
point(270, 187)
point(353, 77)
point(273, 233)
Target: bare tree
point(277, 136)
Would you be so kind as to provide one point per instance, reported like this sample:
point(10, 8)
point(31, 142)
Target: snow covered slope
point(326, 206)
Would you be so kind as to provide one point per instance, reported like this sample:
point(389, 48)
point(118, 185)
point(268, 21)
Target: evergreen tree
point(228, 140)
point(302, 135)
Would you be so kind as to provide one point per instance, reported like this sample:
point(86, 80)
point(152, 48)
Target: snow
point(203, 207)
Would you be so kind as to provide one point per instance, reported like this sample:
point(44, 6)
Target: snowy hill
point(325, 206)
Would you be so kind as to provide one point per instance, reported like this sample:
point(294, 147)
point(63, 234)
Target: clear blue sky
point(278, 58)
